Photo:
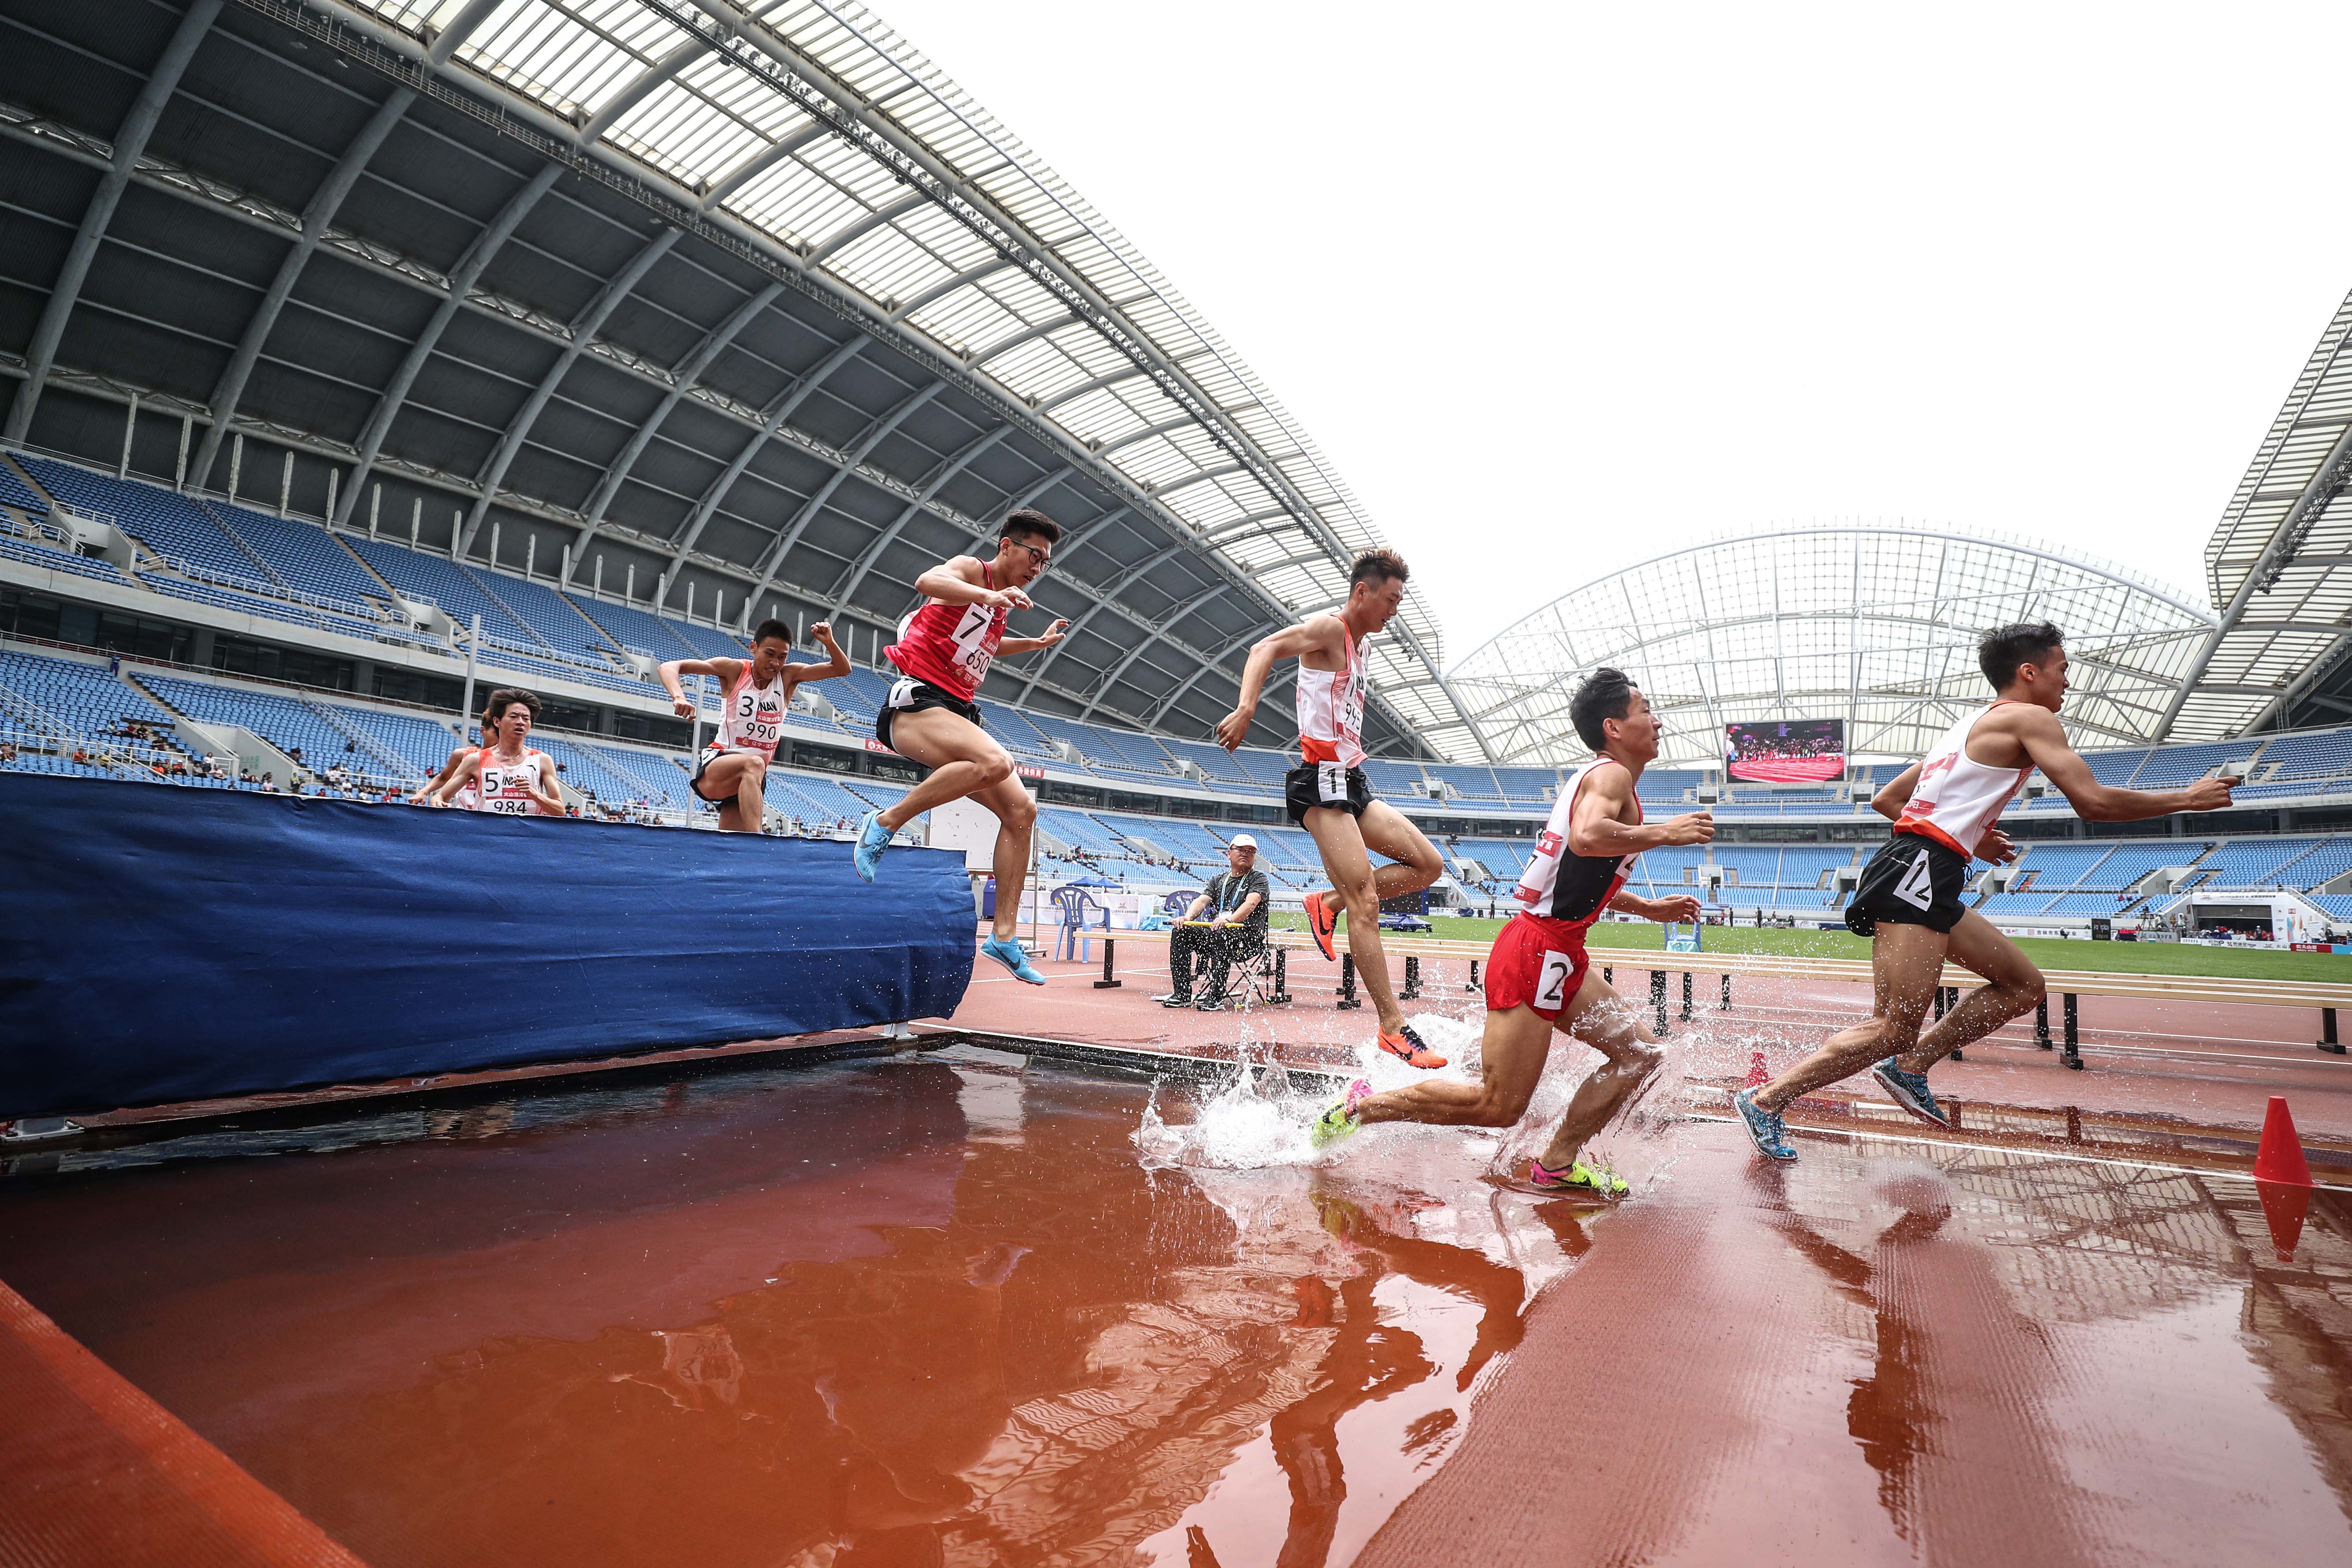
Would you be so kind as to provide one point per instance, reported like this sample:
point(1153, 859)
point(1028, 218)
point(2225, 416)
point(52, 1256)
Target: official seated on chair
point(1224, 926)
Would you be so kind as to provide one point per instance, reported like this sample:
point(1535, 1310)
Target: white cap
point(1243, 841)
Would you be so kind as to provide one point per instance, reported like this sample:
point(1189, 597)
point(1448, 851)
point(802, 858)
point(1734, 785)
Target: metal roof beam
point(644, 82)
point(769, 426)
point(913, 508)
point(1027, 334)
point(688, 373)
point(849, 233)
point(461, 27)
point(1166, 622)
point(791, 536)
point(584, 330)
point(461, 283)
point(129, 140)
point(945, 287)
point(1125, 581)
point(1072, 393)
point(324, 204)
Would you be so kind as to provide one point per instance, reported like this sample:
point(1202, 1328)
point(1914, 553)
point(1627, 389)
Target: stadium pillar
point(180, 469)
point(129, 427)
point(473, 649)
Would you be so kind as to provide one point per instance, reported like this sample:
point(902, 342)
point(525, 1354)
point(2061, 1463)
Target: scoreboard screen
point(1786, 750)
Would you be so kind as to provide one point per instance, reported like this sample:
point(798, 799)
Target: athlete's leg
point(1343, 845)
point(2013, 987)
point(1016, 815)
point(734, 783)
point(1512, 1053)
point(1610, 1025)
point(962, 759)
point(1906, 963)
point(1413, 862)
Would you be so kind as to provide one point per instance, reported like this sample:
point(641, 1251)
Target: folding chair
point(1249, 980)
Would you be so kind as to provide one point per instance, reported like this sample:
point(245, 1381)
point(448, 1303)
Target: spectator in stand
point(8, 751)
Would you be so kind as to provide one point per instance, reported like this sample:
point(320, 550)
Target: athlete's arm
point(1597, 826)
point(838, 665)
point(1895, 793)
point(549, 795)
point(1052, 634)
point(1670, 910)
point(457, 781)
point(2036, 729)
point(1198, 905)
point(962, 582)
point(456, 760)
point(1322, 634)
point(723, 670)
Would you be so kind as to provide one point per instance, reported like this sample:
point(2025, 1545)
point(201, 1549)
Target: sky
point(1577, 284)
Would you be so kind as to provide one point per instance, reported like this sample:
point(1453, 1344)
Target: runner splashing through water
point(1908, 901)
point(732, 772)
point(1326, 793)
point(932, 719)
point(1539, 980)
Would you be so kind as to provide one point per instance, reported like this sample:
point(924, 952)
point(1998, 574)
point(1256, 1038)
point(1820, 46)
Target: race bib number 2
point(1551, 982)
point(1331, 783)
point(1917, 888)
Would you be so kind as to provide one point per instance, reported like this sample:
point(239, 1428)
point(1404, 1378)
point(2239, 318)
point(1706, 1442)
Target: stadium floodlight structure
point(748, 295)
point(1869, 622)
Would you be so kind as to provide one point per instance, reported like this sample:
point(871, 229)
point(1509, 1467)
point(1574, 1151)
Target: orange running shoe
point(1404, 1043)
point(1322, 922)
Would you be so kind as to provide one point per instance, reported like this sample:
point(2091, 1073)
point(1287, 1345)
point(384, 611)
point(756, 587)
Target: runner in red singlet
point(931, 718)
point(1326, 793)
point(1538, 979)
point(731, 771)
point(1945, 809)
point(506, 777)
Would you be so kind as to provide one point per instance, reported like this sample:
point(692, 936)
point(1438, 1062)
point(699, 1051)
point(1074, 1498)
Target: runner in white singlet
point(1946, 810)
point(732, 772)
point(1326, 793)
point(932, 716)
point(467, 798)
point(506, 777)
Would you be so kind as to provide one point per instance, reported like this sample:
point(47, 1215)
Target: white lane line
point(1876, 1135)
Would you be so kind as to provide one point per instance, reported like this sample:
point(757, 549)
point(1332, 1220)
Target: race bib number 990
point(1551, 982)
point(1331, 783)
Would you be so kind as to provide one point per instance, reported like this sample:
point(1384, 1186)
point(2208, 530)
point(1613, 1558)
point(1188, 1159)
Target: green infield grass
point(2112, 957)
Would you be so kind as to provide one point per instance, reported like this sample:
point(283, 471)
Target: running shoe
point(1910, 1090)
point(872, 840)
point(1173, 999)
point(1321, 921)
point(1340, 1120)
point(1014, 956)
point(1579, 1177)
point(1407, 1044)
point(1763, 1126)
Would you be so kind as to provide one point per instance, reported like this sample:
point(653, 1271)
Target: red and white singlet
point(752, 717)
point(1331, 710)
point(505, 787)
point(1567, 889)
point(469, 793)
point(1955, 799)
point(950, 646)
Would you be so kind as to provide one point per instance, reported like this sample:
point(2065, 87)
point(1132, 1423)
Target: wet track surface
point(942, 1309)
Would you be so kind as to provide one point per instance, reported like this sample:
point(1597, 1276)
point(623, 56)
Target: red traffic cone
point(2283, 1207)
point(1756, 1076)
point(2279, 1157)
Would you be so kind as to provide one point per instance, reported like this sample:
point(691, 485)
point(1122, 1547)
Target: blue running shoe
point(1910, 1090)
point(1763, 1126)
point(872, 840)
point(1011, 954)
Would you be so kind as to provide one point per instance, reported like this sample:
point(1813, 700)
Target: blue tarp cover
point(163, 944)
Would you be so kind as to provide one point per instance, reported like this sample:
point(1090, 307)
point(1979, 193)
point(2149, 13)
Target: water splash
point(1253, 1119)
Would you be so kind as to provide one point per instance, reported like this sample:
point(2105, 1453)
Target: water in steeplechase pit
point(940, 1309)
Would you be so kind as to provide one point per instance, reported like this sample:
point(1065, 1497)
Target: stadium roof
point(1873, 623)
point(750, 299)
point(2280, 566)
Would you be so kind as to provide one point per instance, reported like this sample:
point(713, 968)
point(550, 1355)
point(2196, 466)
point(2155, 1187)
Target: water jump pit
point(1073, 1303)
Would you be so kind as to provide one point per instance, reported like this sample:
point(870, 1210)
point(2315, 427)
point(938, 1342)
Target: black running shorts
point(1911, 882)
point(908, 695)
point(1327, 784)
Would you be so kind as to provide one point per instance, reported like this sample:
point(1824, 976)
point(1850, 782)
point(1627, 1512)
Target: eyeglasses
point(1044, 558)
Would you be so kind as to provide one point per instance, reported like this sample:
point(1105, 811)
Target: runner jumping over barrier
point(932, 719)
point(1908, 900)
point(732, 772)
point(1539, 980)
point(1327, 795)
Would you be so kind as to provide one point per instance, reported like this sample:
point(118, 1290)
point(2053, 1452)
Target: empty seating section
point(547, 612)
point(2169, 767)
point(707, 642)
point(585, 770)
point(433, 577)
point(2256, 862)
point(2337, 905)
point(15, 492)
point(56, 560)
point(2324, 864)
point(1013, 729)
point(631, 628)
point(167, 524)
point(656, 777)
point(1079, 831)
point(302, 555)
point(59, 696)
point(1466, 783)
point(422, 743)
point(1389, 780)
point(1526, 785)
point(1803, 866)
point(859, 694)
point(2328, 754)
point(2127, 863)
point(2115, 767)
point(1125, 750)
